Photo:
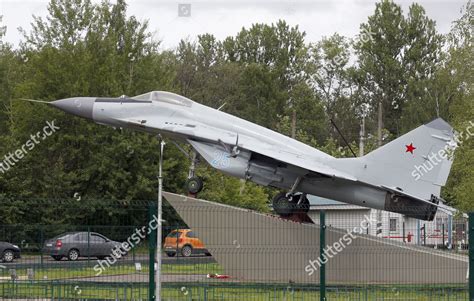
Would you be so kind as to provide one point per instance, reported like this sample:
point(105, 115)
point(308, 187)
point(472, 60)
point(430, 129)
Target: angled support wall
point(252, 246)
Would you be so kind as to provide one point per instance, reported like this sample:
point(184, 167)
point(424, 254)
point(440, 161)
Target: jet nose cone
point(79, 106)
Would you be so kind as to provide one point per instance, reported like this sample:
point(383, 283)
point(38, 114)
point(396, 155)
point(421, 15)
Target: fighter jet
point(401, 176)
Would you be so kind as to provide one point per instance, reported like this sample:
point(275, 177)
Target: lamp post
point(160, 220)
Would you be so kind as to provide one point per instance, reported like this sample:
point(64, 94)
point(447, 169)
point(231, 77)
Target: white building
point(391, 225)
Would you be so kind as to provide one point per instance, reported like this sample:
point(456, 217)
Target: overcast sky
point(222, 18)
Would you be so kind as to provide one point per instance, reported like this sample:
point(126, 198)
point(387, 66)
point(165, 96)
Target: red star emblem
point(410, 148)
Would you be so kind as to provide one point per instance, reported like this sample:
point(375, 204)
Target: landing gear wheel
point(303, 205)
point(285, 205)
point(194, 185)
point(282, 205)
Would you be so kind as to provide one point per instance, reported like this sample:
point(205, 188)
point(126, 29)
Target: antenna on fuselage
point(222, 105)
point(343, 138)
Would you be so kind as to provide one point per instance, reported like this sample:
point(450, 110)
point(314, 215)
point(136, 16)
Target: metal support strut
point(194, 162)
point(295, 185)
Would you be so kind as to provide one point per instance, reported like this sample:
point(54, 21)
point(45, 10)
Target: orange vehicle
point(185, 242)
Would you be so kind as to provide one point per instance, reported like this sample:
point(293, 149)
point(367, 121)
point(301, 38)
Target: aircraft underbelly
point(270, 172)
point(347, 192)
point(363, 195)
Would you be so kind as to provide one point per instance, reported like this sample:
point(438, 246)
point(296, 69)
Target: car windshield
point(174, 234)
point(168, 97)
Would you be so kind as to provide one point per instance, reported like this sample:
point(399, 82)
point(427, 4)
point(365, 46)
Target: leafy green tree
point(266, 74)
point(379, 49)
point(422, 58)
point(232, 191)
point(330, 77)
point(400, 60)
point(461, 79)
point(92, 56)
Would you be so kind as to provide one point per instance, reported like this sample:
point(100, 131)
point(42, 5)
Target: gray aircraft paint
point(381, 179)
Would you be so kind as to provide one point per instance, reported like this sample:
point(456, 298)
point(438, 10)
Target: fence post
point(471, 255)
point(403, 234)
point(41, 245)
point(443, 235)
point(322, 244)
point(88, 244)
point(450, 231)
point(152, 249)
point(424, 234)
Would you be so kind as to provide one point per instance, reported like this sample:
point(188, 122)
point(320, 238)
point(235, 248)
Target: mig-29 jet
point(401, 176)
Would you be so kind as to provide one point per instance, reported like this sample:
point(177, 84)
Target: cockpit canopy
point(163, 96)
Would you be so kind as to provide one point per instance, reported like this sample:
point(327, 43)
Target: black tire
point(73, 255)
point(170, 254)
point(282, 205)
point(208, 254)
point(101, 257)
point(186, 251)
point(303, 206)
point(8, 256)
point(194, 185)
point(57, 257)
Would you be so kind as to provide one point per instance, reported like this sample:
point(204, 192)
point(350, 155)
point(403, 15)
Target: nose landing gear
point(194, 184)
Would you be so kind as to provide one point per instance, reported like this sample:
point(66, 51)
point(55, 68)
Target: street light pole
point(160, 220)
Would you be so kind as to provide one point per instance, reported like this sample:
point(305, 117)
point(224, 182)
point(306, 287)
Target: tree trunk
point(380, 124)
point(362, 138)
point(293, 124)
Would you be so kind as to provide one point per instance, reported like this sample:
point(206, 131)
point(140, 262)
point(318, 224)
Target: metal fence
point(221, 252)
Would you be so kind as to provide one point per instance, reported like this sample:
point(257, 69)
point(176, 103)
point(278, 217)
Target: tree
point(422, 58)
point(330, 77)
point(380, 60)
point(280, 51)
point(400, 61)
point(460, 65)
point(91, 56)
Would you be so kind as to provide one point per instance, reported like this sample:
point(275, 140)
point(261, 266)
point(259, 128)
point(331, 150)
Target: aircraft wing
point(199, 133)
point(278, 152)
point(289, 156)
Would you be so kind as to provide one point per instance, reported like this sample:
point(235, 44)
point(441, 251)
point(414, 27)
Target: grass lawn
point(57, 284)
point(62, 273)
point(228, 291)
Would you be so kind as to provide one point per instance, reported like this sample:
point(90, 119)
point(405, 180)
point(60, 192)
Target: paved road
point(28, 261)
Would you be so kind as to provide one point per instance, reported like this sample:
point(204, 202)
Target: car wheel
point(170, 254)
point(208, 254)
point(101, 257)
point(8, 256)
point(57, 258)
point(186, 251)
point(73, 255)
